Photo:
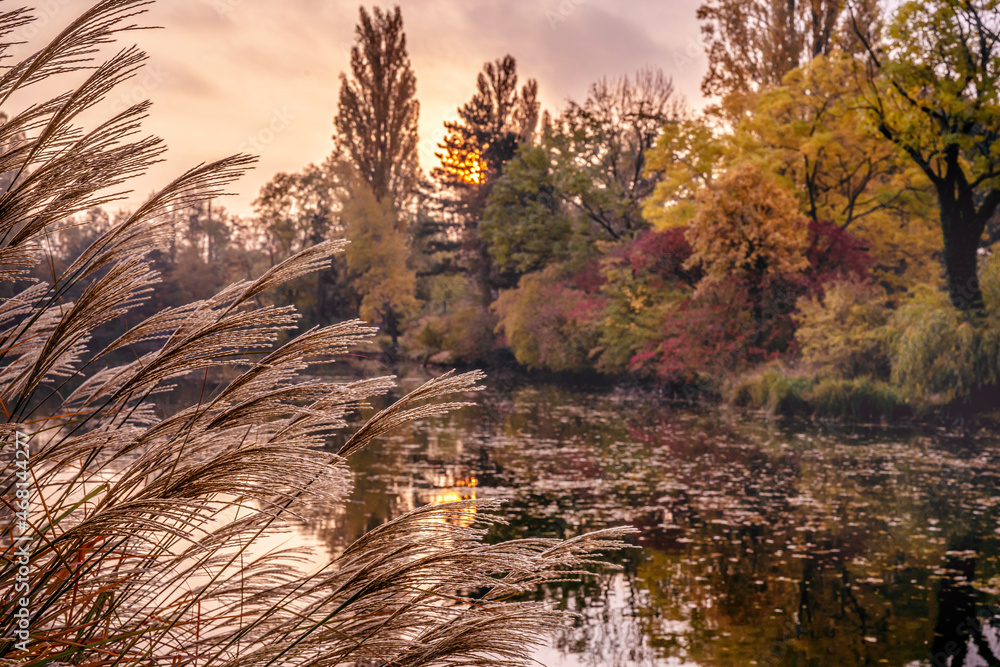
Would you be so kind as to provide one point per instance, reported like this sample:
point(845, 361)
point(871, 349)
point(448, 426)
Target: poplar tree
point(376, 121)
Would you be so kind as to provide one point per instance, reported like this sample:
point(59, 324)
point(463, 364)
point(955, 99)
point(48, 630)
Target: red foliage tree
point(712, 331)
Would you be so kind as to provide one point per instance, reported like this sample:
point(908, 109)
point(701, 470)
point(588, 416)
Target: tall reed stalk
point(145, 530)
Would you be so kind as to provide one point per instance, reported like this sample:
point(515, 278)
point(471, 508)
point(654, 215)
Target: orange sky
point(262, 75)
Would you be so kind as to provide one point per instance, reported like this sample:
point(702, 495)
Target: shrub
point(941, 354)
point(858, 399)
point(843, 333)
point(643, 281)
point(454, 322)
point(548, 323)
point(782, 394)
point(145, 531)
point(775, 392)
point(715, 331)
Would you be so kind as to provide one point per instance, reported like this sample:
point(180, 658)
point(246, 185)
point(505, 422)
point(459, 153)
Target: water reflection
point(761, 543)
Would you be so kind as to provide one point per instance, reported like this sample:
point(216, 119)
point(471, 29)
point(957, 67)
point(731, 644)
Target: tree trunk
point(961, 231)
point(483, 273)
point(391, 323)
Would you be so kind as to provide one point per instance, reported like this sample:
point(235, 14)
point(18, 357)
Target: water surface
point(762, 542)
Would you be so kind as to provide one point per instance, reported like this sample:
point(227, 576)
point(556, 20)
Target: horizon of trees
point(628, 233)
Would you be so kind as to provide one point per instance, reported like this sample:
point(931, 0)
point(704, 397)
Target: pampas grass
point(147, 530)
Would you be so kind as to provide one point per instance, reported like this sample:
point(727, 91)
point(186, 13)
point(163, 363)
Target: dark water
point(762, 543)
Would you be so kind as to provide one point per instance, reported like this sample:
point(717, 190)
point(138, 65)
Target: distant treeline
point(830, 218)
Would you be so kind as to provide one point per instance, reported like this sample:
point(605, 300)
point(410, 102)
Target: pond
point(761, 542)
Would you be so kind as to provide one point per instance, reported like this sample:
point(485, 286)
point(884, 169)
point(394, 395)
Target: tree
point(492, 125)
point(934, 91)
point(196, 266)
point(376, 259)
point(298, 210)
point(585, 181)
point(752, 45)
point(549, 322)
point(295, 211)
point(602, 146)
point(811, 131)
point(490, 128)
point(685, 159)
point(377, 116)
point(644, 282)
point(526, 224)
point(747, 228)
point(813, 134)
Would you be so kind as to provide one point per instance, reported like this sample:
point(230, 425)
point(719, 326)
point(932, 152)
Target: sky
point(262, 76)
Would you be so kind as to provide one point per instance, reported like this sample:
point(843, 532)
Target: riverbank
point(774, 393)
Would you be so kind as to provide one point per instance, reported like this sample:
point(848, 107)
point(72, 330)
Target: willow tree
point(934, 91)
point(140, 538)
point(376, 122)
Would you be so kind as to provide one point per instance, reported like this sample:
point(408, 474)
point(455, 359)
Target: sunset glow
point(262, 77)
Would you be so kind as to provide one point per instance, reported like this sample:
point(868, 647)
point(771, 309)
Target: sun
point(465, 166)
point(462, 161)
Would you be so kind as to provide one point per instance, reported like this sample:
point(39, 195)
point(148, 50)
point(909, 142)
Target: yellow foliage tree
point(813, 134)
point(686, 156)
point(377, 260)
point(933, 90)
point(747, 228)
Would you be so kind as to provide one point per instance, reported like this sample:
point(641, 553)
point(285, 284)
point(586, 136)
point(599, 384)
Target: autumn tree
point(376, 122)
point(586, 179)
point(527, 224)
point(298, 210)
point(934, 91)
point(747, 228)
point(811, 131)
point(549, 322)
point(490, 127)
point(376, 259)
point(685, 159)
point(603, 144)
point(295, 211)
point(813, 134)
point(197, 260)
point(752, 45)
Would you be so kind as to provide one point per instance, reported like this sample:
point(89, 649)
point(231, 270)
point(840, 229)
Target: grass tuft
point(858, 399)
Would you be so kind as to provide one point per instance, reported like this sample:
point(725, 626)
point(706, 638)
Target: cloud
point(224, 68)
